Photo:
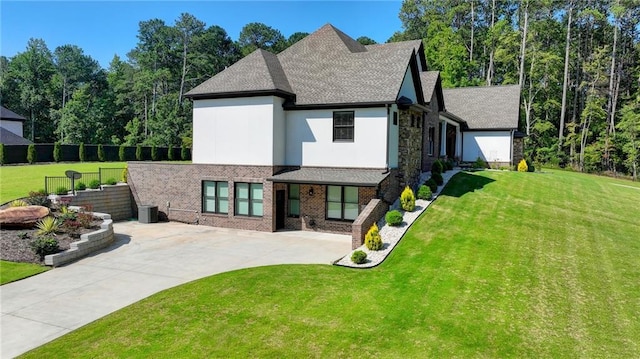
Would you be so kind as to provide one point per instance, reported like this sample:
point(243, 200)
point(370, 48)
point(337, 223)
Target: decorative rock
point(22, 217)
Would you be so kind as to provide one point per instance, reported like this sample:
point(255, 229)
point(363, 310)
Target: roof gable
point(9, 138)
point(9, 115)
point(487, 107)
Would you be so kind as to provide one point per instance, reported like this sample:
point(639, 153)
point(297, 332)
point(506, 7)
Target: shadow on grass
point(463, 183)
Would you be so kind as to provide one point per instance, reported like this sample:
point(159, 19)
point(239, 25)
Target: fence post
point(46, 184)
point(100, 174)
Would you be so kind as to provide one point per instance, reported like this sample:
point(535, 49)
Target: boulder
point(22, 217)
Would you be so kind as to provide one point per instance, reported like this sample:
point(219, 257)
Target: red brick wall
point(370, 215)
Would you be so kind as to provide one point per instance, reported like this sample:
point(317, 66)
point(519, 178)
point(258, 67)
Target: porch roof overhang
point(332, 176)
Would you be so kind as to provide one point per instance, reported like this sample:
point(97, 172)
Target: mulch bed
point(15, 247)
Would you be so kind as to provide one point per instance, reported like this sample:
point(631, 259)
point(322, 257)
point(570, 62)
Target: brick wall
point(374, 210)
point(177, 191)
point(114, 200)
point(432, 120)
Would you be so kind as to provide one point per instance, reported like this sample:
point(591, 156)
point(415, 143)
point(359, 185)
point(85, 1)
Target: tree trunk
point(492, 50)
point(472, 29)
point(565, 83)
point(184, 70)
point(523, 45)
point(610, 104)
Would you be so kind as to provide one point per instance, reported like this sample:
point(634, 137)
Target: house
point(11, 128)
point(491, 114)
point(322, 136)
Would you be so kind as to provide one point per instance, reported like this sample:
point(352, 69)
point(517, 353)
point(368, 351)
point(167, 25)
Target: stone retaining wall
point(375, 210)
point(115, 200)
point(88, 243)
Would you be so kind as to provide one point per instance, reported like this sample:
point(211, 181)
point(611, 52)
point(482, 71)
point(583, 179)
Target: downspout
point(511, 147)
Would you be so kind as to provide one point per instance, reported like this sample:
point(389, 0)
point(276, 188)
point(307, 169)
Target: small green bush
point(436, 167)
point(358, 257)
point(82, 153)
point(111, 181)
point(125, 175)
point(170, 153)
point(122, 154)
point(57, 152)
point(3, 156)
point(437, 177)
point(81, 186)
point(101, 155)
point(431, 183)
point(480, 163)
point(155, 155)
point(43, 246)
point(393, 218)
point(408, 199)
point(184, 153)
point(32, 155)
point(47, 225)
point(373, 240)
point(448, 165)
point(61, 190)
point(18, 203)
point(424, 192)
point(522, 166)
point(530, 166)
point(39, 198)
point(94, 184)
point(139, 153)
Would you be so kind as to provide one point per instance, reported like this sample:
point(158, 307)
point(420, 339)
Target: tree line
point(577, 63)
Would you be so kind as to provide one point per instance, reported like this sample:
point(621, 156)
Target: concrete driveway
point(145, 259)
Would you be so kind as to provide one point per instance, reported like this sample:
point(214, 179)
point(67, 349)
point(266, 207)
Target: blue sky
point(105, 28)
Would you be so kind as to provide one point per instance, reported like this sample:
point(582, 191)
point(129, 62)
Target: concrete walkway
point(145, 259)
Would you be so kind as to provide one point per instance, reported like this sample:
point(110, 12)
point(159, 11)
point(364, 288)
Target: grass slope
point(504, 264)
point(11, 271)
point(18, 181)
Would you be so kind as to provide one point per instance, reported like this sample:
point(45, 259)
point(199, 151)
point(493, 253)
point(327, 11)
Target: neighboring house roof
point(325, 67)
point(9, 138)
point(332, 176)
point(485, 108)
point(8, 115)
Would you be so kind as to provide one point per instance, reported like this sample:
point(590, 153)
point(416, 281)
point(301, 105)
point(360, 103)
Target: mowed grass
point(504, 264)
point(18, 181)
point(11, 271)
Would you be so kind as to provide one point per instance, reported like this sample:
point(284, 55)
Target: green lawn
point(18, 181)
point(11, 271)
point(504, 264)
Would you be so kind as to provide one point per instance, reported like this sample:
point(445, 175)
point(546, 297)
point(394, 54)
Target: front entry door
point(280, 207)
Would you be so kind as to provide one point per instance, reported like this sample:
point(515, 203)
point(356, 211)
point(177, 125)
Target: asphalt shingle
point(488, 107)
point(9, 138)
point(7, 114)
point(332, 176)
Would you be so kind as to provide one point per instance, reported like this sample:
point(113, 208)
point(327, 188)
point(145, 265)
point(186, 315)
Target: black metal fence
point(60, 184)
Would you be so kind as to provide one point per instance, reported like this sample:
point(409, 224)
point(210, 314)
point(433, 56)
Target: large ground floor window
point(342, 203)
point(294, 200)
point(215, 197)
point(248, 199)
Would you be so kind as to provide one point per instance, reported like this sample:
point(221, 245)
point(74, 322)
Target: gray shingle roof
point(489, 107)
point(326, 67)
point(428, 80)
point(7, 114)
point(334, 176)
point(9, 138)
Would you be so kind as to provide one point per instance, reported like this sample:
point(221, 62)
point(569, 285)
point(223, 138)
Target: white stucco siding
point(12, 126)
point(238, 131)
point(279, 132)
point(408, 88)
point(492, 146)
point(309, 139)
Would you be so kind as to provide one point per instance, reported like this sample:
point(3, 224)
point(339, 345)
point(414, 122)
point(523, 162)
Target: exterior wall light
point(311, 191)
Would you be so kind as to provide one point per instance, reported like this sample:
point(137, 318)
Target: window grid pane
point(343, 124)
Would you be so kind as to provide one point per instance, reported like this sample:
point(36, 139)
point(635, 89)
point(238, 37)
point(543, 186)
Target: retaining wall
point(375, 210)
point(115, 200)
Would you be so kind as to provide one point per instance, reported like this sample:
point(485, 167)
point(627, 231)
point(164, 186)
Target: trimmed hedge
point(71, 153)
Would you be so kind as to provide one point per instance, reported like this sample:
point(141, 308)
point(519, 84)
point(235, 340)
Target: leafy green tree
point(364, 40)
point(257, 35)
point(295, 37)
point(629, 130)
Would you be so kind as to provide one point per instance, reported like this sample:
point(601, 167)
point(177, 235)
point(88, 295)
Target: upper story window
point(294, 200)
point(342, 202)
point(248, 199)
point(215, 197)
point(343, 123)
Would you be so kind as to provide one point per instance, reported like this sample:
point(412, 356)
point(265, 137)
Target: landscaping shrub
point(39, 198)
point(81, 186)
point(57, 152)
point(431, 183)
point(32, 155)
point(82, 153)
point(358, 257)
point(94, 184)
point(3, 157)
point(111, 181)
point(23, 235)
point(424, 192)
point(408, 199)
point(393, 218)
point(85, 219)
point(373, 240)
point(436, 167)
point(122, 153)
point(125, 174)
point(448, 165)
point(184, 153)
point(530, 166)
point(155, 156)
point(437, 177)
point(61, 190)
point(522, 166)
point(67, 214)
point(43, 246)
point(101, 155)
point(139, 153)
point(72, 227)
point(480, 163)
point(47, 225)
point(170, 153)
point(18, 203)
